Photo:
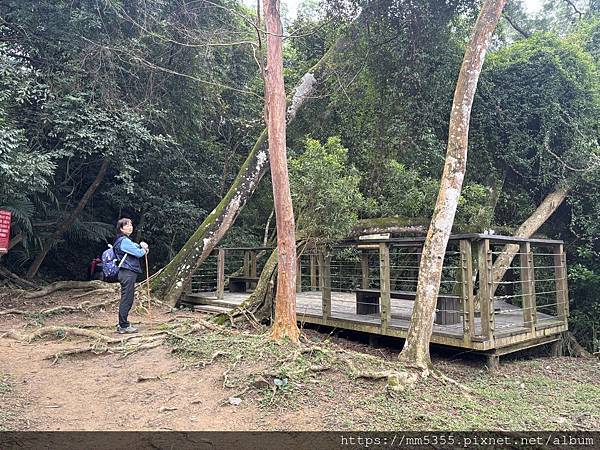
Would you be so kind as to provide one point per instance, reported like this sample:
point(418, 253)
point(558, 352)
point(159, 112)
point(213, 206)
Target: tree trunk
point(285, 325)
point(526, 230)
point(169, 284)
point(416, 348)
point(68, 222)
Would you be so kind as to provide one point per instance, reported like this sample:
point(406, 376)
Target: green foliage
point(401, 191)
point(325, 191)
point(544, 94)
point(584, 278)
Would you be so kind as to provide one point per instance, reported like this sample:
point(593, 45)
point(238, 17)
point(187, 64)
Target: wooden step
point(194, 299)
point(212, 309)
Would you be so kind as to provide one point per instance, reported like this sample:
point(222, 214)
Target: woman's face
point(127, 229)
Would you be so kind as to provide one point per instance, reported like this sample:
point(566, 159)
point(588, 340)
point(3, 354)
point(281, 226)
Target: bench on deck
point(242, 283)
point(447, 309)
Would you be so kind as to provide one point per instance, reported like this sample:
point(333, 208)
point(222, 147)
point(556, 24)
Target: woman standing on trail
point(130, 267)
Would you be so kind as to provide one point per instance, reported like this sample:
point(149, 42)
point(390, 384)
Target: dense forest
point(148, 110)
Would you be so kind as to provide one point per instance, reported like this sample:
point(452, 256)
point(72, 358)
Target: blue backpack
point(111, 264)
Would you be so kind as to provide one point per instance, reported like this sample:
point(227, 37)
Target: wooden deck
point(509, 327)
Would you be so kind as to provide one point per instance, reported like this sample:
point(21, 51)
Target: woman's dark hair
point(121, 223)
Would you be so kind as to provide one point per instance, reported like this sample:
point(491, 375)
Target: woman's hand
point(144, 246)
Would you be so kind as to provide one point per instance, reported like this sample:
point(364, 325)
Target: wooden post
point(325, 275)
point(364, 269)
point(253, 263)
point(466, 275)
point(384, 279)
point(484, 260)
point(299, 274)
point(560, 276)
point(528, 287)
point(313, 273)
point(220, 273)
point(246, 263)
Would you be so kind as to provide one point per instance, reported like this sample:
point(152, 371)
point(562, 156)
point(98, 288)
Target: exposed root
point(76, 351)
point(61, 331)
point(447, 380)
point(84, 306)
point(64, 285)
point(20, 282)
point(574, 348)
point(95, 292)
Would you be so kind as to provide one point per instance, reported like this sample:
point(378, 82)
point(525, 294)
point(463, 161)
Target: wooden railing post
point(246, 263)
point(220, 273)
point(528, 286)
point(325, 276)
point(486, 301)
point(384, 279)
point(313, 273)
point(364, 269)
point(299, 274)
point(560, 276)
point(466, 275)
point(253, 263)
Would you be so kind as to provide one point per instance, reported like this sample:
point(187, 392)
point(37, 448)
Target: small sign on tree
point(5, 218)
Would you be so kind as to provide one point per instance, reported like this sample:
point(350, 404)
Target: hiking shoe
point(128, 329)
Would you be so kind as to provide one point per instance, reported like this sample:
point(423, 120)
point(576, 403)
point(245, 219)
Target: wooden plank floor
point(508, 318)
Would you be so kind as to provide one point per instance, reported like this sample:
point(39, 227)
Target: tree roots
point(66, 285)
point(84, 306)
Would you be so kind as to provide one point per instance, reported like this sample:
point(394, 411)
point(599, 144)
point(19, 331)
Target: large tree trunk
point(416, 348)
point(285, 301)
point(169, 284)
point(68, 222)
point(526, 230)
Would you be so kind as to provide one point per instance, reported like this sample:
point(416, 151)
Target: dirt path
point(104, 392)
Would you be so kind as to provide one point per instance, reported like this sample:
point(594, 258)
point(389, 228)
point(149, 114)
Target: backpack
point(110, 268)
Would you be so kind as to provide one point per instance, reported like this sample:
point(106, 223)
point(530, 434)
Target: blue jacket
point(125, 246)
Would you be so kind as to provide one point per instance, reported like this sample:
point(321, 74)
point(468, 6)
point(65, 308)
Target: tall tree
point(285, 300)
point(416, 348)
point(170, 283)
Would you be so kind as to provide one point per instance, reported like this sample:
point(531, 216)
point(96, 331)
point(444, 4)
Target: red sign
point(5, 217)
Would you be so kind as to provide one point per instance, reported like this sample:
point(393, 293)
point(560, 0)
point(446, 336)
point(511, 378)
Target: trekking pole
point(148, 286)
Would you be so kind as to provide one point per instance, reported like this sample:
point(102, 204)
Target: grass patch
point(276, 373)
point(540, 394)
point(529, 399)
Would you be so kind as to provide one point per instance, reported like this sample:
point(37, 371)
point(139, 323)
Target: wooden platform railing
point(479, 300)
point(474, 277)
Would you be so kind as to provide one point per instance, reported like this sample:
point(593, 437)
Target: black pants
point(127, 278)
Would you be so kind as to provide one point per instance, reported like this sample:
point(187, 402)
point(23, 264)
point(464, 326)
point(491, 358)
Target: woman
point(129, 254)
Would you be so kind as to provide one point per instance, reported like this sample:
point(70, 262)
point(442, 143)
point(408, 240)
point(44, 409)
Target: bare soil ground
point(230, 380)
